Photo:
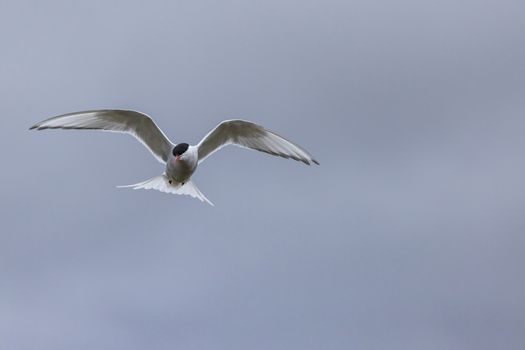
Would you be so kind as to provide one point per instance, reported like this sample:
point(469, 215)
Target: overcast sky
point(409, 235)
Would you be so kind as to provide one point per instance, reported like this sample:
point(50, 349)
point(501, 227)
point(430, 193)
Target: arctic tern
point(181, 159)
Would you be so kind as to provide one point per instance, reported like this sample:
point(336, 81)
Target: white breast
point(182, 169)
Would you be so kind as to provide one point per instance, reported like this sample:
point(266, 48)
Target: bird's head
point(179, 150)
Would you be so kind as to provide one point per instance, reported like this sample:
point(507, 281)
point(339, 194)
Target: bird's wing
point(249, 135)
point(137, 124)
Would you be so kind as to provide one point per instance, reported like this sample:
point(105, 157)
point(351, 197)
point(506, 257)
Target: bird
point(180, 159)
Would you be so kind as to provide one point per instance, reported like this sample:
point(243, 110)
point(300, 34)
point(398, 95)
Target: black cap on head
point(180, 149)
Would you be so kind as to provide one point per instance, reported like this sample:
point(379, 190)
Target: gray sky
point(410, 235)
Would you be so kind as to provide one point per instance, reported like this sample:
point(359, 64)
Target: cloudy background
point(410, 235)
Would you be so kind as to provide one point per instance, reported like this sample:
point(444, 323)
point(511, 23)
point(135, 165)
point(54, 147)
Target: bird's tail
point(161, 183)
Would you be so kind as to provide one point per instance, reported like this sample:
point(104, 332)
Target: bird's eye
point(180, 149)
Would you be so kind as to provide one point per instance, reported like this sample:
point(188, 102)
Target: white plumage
point(181, 159)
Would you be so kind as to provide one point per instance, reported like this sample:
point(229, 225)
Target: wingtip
point(310, 161)
point(38, 126)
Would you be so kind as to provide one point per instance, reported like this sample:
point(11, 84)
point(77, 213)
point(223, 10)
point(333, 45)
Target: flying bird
point(181, 159)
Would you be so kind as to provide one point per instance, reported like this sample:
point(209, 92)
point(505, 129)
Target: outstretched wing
point(137, 124)
point(249, 135)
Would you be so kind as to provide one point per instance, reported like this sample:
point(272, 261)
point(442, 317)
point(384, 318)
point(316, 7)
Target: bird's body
point(180, 170)
point(181, 160)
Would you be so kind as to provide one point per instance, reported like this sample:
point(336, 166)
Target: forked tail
point(161, 183)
